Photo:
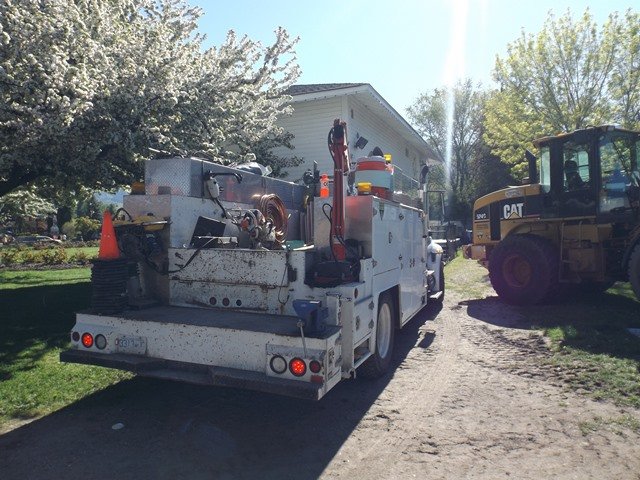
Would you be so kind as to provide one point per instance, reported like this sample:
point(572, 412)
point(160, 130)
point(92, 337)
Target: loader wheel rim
point(383, 335)
point(517, 271)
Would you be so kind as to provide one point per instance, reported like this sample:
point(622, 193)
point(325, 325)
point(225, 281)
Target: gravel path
point(470, 397)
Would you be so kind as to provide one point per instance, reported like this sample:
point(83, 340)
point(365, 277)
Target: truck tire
point(634, 271)
point(440, 299)
point(380, 361)
point(523, 270)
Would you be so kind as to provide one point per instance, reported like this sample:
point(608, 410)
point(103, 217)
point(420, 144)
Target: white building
point(367, 115)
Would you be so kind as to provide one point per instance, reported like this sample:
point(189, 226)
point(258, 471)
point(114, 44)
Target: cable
point(333, 254)
point(340, 239)
point(282, 284)
point(190, 258)
point(330, 142)
point(224, 212)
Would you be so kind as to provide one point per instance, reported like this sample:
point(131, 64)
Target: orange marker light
point(315, 366)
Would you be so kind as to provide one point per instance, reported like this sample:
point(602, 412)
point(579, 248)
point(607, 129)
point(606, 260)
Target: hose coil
point(275, 212)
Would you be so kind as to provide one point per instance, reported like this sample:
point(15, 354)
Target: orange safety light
point(324, 186)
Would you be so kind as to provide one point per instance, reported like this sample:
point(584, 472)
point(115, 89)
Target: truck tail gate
point(196, 373)
point(212, 347)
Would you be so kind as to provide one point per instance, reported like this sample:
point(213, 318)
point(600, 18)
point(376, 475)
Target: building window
point(352, 113)
point(406, 152)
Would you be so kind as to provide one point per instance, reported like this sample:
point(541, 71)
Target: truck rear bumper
point(197, 374)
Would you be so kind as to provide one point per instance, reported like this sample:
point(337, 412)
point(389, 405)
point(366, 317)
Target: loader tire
point(523, 270)
point(380, 361)
point(594, 288)
point(634, 271)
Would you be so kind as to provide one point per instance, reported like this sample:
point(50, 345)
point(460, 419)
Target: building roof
point(365, 93)
point(319, 87)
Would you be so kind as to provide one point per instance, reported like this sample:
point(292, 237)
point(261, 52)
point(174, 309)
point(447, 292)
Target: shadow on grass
point(596, 324)
point(35, 320)
point(175, 430)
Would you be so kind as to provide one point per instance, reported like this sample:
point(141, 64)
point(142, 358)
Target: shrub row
point(47, 256)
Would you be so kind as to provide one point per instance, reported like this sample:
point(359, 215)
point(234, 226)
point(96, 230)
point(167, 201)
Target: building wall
point(370, 126)
point(310, 124)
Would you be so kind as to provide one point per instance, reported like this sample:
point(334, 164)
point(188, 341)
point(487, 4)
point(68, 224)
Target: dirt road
point(470, 397)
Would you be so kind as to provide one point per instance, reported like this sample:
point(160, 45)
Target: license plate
point(127, 344)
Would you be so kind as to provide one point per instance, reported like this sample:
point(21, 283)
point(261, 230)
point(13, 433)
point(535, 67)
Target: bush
point(54, 256)
point(9, 256)
point(87, 227)
point(43, 246)
point(69, 229)
point(32, 256)
point(80, 257)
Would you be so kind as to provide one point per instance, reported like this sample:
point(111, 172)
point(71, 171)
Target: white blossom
point(88, 87)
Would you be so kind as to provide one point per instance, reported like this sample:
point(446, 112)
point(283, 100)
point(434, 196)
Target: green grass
point(591, 343)
point(90, 252)
point(14, 279)
point(591, 347)
point(469, 278)
point(37, 314)
point(617, 424)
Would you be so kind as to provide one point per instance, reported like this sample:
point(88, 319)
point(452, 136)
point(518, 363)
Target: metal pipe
point(338, 149)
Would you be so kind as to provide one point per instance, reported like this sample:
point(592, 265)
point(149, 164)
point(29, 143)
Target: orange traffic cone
point(108, 243)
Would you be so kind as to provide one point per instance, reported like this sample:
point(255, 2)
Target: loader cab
point(588, 173)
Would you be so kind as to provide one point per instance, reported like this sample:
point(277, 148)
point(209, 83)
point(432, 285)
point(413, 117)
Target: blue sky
point(402, 48)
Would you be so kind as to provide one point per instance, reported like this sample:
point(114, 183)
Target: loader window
point(616, 171)
point(576, 166)
point(545, 169)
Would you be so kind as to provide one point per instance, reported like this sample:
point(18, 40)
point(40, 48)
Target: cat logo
point(513, 210)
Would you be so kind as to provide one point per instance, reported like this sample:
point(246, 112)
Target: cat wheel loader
point(576, 223)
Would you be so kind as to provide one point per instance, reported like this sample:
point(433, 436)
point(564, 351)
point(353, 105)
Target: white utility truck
point(229, 277)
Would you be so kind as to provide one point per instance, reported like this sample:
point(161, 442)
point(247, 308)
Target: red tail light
point(87, 340)
point(297, 367)
point(314, 366)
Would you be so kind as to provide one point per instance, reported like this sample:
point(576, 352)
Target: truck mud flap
point(197, 374)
